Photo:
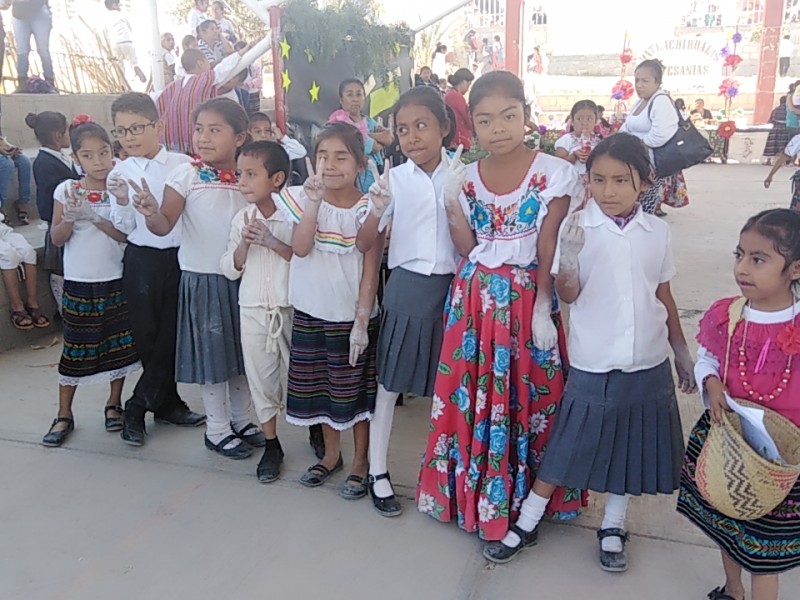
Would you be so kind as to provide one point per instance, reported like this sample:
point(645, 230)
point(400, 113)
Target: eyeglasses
point(138, 129)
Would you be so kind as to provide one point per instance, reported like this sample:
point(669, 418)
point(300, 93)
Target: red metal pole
point(277, 66)
point(768, 63)
point(514, 48)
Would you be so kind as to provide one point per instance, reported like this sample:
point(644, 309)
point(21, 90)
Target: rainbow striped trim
point(291, 205)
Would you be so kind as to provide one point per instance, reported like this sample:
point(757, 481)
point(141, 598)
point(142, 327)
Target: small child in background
point(51, 167)
point(169, 57)
point(120, 35)
point(15, 254)
point(259, 251)
point(262, 129)
point(98, 343)
point(119, 151)
point(788, 156)
point(576, 145)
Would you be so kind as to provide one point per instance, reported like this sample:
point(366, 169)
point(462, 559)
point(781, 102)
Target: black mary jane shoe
point(613, 562)
point(354, 488)
point(386, 507)
point(499, 553)
point(319, 473)
point(251, 435)
point(238, 452)
point(182, 416)
point(113, 424)
point(269, 467)
point(316, 440)
point(53, 439)
point(719, 594)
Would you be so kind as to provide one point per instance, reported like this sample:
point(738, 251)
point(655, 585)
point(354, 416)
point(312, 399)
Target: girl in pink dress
point(500, 375)
point(764, 367)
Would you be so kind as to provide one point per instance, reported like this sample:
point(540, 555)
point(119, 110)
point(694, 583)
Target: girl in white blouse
point(332, 287)
point(205, 194)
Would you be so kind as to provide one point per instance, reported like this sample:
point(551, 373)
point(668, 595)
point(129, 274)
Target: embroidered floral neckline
point(209, 174)
point(92, 196)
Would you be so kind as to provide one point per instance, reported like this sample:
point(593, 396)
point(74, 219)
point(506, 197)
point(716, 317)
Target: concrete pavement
point(97, 519)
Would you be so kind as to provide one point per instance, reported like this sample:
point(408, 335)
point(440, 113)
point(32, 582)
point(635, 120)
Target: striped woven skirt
point(768, 545)
point(323, 387)
point(98, 343)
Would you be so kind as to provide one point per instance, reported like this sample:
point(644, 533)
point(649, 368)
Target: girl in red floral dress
point(501, 369)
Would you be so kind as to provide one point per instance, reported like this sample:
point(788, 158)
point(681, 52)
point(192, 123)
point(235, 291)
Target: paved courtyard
point(97, 519)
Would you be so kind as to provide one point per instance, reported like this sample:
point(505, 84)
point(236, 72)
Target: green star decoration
point(285, 79)
point(314, 92)
point(285, 47)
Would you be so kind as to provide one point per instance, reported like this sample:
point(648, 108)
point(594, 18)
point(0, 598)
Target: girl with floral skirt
point(98, 343)
point(760, 363)
point(500, 375)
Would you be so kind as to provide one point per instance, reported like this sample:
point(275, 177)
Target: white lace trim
point(104, 377)
point(366, 416)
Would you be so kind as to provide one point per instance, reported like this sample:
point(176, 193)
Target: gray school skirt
point(412, 327)
point(617, 432)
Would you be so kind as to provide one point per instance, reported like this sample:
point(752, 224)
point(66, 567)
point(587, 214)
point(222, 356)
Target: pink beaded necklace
point(761, 398)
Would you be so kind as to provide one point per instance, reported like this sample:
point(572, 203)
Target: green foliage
point(351, 24)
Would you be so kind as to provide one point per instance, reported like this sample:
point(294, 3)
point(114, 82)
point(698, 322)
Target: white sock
point(614, 518)
point(530, 514)
point(57, 289)
point(380, 429)
point(239, 394)
point(215, 401)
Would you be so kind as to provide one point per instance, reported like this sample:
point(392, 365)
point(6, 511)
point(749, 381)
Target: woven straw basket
point(735, 479)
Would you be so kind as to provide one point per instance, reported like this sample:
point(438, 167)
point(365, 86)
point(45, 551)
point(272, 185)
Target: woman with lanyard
point(654, 120)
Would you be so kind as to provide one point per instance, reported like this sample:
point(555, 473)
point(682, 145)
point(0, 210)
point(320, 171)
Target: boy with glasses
point(151, 273)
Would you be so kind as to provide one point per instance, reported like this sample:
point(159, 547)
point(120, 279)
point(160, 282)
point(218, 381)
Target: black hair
point(680, 104)
point(191, 57)
point(78, 133)
point(583, 105)
point(260, 116)
point(782, 100)
point(421, 69)
point(272, 154)
point(601, 108)
point(656, 66)
point(240, 45)
point(349, 135)
point(460, 76)
point(46, 125)
point(136, 103)
point(447, 142)
point(699, 100)
point(781, 226)
point(351, 81)
point(187, 39)
point(497, 38)
point(111, 3)
point(218, 3)
point(627, 149)
point(497, 81)
point(207, 24)
point(117, 147)
point(432, 100)
point(231, 112)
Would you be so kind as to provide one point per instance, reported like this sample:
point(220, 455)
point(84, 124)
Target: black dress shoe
point(614, 562)
point(269, 467)
point(181, 416)
point(113, 423)
point(133, 428)
point(251, 434)
point(238, 452)
point(54, 439)
point(498, 552)
point(386, 507)
point(317, 441)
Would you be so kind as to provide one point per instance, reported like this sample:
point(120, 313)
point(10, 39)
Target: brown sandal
point(40, 321)
point(21, 320)
point(22, 215)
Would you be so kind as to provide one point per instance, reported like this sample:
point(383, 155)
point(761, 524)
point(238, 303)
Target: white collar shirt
point(62, 156)
point(616, 322)
point(420, 239)
point(155, 171)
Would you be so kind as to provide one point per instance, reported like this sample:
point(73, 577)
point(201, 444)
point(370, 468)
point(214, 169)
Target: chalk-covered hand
point(455, 176)
point(143, 199)
point(545, 334)
point(259, 234)
point(315, 184)
point(359, 336)
point(572, 240)
point(380, 195)
point(118, 188)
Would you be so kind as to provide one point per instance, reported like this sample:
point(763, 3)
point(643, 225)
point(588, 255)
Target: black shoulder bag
point(685, 149)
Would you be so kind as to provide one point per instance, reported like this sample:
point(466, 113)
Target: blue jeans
point(23, 165)
point(39, 27)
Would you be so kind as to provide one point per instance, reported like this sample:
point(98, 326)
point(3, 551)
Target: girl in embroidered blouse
point(332, 287)
point(762, 367)
point(205, 196)
point(500, 375)
point(98, 344)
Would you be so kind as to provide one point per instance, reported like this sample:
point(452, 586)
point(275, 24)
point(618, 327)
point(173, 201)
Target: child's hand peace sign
point(246, 228)
point(456, 175)
point(143, 199)
point(379, 193)
point(315, 185)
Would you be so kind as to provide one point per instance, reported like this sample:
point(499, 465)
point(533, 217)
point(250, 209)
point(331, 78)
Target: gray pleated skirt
point(412, 326)
point(209, 347)
point(617, 432)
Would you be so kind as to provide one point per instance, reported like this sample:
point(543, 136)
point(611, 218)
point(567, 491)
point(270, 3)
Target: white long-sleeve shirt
point(656, 124)
point(293, 148)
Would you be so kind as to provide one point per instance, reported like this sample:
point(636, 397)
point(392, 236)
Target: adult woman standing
point(454, 98)
point(654, 120)
point(32, 18)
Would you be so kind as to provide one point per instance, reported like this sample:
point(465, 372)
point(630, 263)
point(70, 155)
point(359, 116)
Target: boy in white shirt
point(259, 251)
point(121, 37)
point(151, 274)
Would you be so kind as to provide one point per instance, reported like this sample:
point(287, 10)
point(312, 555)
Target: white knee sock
point(380, 429)
point(215, 401)
point(614, 518)
point(57, 289)
point(530, 514)
point(239, 394)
